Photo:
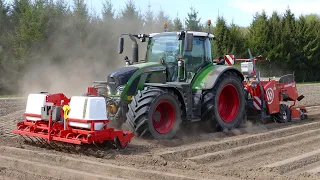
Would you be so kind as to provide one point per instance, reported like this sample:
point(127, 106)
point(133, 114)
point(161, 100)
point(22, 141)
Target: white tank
point(34, 104)
point(87, 108)
point(246, 68)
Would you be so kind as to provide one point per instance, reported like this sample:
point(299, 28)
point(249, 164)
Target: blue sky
point(240, 11)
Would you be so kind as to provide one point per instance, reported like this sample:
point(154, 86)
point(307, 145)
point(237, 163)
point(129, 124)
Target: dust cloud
point(69, 64)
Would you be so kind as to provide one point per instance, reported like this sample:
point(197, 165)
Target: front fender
point(209, 76)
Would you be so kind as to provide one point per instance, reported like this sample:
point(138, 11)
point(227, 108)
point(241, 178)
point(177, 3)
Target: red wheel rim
point(228, 103)
point(163, 117)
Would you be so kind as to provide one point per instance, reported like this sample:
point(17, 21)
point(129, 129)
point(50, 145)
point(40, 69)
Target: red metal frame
point(56, 131)
point(93, 91)
point(58, 99)
point(273, 93)
point(277, 91)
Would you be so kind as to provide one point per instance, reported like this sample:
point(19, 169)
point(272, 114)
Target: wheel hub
point(157, 116)
point(284, 115)
point(228, 103)
point(163, 117)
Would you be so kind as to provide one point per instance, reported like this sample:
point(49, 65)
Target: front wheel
point(154, 112)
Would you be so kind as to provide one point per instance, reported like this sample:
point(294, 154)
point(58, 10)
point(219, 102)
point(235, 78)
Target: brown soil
point(255, 151)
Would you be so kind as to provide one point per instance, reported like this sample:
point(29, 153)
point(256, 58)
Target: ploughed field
point(255, 151)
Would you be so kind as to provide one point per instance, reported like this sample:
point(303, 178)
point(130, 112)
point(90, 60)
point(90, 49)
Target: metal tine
point(57, 145)
point(60, 146)
point(36, 140)
point(40, 141)
point(74, 148)
point(31, 140)
point(49, 144)
point(54, 145)
point(45, 143)
point(28, 140)
point(83, 150)
point(23, 137)
point(96, 145)
point(65, 147)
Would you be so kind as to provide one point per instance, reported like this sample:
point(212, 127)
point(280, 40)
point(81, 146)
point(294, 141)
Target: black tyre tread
point(279, 118)
point(209, 103)
point(207, 108)
point(137, 115)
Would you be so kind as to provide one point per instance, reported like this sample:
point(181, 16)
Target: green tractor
point(177, 82)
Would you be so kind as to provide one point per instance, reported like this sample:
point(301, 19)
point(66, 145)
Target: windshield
point(165, 46)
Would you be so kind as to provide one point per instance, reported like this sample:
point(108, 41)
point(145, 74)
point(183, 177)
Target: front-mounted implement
point(78, 120)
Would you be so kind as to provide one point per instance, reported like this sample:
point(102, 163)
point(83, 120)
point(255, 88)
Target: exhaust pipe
point(135, 52)
point(135, 47)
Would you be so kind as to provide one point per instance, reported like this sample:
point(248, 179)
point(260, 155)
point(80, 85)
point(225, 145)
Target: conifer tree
point(192, 22)
point(177, 24)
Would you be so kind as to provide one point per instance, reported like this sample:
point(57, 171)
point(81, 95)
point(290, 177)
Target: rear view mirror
point(121, 42)
point(188, 43)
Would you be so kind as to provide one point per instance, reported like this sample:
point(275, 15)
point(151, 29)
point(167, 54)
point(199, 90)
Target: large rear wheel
point(225, 103)
point(154, 112)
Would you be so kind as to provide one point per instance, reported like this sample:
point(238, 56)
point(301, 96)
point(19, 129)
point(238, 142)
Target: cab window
point(196, 58)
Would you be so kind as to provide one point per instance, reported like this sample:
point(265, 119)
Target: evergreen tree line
point(48, 41)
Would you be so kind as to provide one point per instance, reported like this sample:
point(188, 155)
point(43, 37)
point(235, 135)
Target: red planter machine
point(52, 119)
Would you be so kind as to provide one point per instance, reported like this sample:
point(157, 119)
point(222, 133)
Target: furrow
point(208, 147)
point(16, 174)
point(49, 170)
point(266, 152)
point(92, 167)
point(215, 156)
point(293, 163)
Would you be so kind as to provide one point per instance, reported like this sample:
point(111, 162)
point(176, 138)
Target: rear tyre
point(284, 114)
point(225, 103)
point(154, 112)
point(207, 114)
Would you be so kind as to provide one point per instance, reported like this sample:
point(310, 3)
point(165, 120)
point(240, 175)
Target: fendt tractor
point(177, 82)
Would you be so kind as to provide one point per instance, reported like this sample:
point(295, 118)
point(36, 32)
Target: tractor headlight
point(108, 90)
point(119, 90)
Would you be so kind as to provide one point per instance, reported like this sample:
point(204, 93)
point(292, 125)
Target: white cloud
point(298, 7)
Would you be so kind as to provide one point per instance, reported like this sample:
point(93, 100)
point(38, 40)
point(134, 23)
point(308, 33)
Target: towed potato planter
point(78, 120)
point(270, 97)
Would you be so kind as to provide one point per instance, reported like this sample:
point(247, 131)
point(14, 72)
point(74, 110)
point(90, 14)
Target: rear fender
point(210, 79)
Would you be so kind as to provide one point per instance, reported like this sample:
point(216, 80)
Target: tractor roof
point(195, 33)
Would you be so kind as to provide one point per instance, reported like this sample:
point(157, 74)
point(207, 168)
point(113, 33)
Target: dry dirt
point(256, 151)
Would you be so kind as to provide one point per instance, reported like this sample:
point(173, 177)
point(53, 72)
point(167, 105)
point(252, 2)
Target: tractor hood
point(121, 76)
point(124, 75)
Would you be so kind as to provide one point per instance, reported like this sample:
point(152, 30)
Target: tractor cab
point(182, 53)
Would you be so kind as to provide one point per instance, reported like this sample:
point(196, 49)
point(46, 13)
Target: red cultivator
point(53, 120)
